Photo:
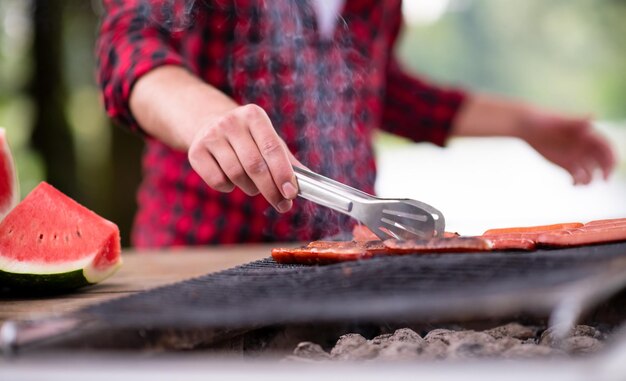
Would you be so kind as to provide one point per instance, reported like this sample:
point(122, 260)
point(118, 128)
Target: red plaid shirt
point(325, 97)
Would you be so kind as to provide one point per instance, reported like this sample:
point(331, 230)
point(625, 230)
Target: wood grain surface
point(142, 270)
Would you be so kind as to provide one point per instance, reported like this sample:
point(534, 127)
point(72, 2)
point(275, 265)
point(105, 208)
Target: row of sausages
point(367, 245)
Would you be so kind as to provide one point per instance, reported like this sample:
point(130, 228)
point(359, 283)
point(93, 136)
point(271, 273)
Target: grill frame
point(550, 279)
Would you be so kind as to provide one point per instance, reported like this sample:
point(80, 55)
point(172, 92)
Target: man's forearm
point(567, 141)
point(227, 145)
point(171, 104)
point(483, 115)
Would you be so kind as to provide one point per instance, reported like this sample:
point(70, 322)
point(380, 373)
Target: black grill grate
point(381, 289)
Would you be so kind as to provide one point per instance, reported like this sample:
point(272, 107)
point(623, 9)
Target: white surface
point(195, 367)
point(327, 12)
point(496, 182)
point(424, 11)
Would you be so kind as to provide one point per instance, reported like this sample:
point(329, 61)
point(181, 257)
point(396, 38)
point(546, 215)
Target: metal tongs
point(386, 217)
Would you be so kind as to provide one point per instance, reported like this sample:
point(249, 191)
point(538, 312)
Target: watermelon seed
point(55, 237)
point(78, 234)
point(40, 238)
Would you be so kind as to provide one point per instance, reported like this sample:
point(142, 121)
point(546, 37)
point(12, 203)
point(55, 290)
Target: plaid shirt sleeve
point(131, 42)
point(416, 109)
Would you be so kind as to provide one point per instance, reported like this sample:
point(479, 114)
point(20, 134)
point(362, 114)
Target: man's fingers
point(215, 143)
point(242, 149)
point(228, 160)
point(579, 175)
point(207, 168)
point(258, 170)
point(604, 155)
point(589, 167)
point(576, 170)
point(273, 151)
point(592, 152)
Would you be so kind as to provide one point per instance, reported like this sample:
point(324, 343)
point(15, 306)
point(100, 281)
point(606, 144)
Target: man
point(229, 94)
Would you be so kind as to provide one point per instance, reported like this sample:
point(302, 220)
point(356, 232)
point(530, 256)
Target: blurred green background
point(565, 54)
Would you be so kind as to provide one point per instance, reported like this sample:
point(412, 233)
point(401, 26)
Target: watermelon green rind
point(30, 267)
point(94, 275)
point(43, 282)
point(39, 277)
point(51, 242)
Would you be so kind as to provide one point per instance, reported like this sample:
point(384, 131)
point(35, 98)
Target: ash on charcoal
point(479, 345)
point(404, 344)
point(400, 336)
point(514, 330)
point(549, 338)
point(353, 347)
point(401, 351)
point(311, 351)
point(529, 351)
point(439, 334)
point(511, 341)
point(581, 345)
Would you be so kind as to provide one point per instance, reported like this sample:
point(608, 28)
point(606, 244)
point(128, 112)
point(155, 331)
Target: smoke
point(313, 88)
point(310, 93)
point(327, 13)
point(171, 15)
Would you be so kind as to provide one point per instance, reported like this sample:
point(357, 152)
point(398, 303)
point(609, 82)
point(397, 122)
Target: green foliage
point(567, 54)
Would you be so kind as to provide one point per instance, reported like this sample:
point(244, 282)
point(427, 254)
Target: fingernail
point(289, 191)
point(284, 206)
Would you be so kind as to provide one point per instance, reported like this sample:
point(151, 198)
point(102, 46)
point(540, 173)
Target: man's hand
point(565, 141)
point(570, 143)
point(227, 144)
point(241, 148)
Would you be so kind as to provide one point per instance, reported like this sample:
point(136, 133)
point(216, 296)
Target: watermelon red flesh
point(49, 234)
point(9, 188)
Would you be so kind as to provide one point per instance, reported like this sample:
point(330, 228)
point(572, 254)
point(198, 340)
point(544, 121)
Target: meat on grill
point(438, 245)
point(511, 241)
point(587, 235)
point(366, 244)
point(534, 229)
point(562, 235)
point(324, 252)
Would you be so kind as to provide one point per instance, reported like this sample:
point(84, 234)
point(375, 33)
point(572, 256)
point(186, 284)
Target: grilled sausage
point(439, 245)
point(583, 236)
point(533, 229)
point(367, 245)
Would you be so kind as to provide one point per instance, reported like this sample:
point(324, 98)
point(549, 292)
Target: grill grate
point(380, 289)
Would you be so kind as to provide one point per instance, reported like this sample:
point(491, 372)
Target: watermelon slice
point(9, 187)
point(49, 242)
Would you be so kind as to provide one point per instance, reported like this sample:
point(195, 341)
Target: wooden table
point(141, 271)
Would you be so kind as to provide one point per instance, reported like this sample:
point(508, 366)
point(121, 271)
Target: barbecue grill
point(560, 284)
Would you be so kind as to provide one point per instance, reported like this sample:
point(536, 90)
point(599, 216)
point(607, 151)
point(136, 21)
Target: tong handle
point(327, 192)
